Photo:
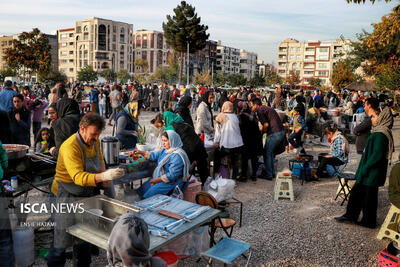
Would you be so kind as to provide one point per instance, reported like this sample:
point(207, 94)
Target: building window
point(71, 35)
point(71, 43)
point(298, 57)
point(323, 50)
point(71, 69)
point(63, 53)
point(322, 65)
point(122, 30)
point(86, 36)
point(62, 36)
point(298, 49)
point(63, 61)
point(292, 49)
point(114, 47)
point(71, 61)
point(294, 65)
point(71, 52)
point(114, 38)
point(78, 29)
point(114, 28)
point(322, 73)
point(291, 56)
point(282, 71)
point(85, 54)
point(63, 44)
point(85, 28)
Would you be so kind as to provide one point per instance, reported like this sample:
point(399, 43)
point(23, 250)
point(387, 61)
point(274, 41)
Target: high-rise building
point(150, 46)
point(204, 59)
point(102, 43)
point(311, 59)
point(248, 64)
point(228, 59)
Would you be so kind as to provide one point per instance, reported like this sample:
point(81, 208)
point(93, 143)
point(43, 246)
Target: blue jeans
point(6, 248)
point(273, 140)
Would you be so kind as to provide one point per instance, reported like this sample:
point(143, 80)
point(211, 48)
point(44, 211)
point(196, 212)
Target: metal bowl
point(15, 151)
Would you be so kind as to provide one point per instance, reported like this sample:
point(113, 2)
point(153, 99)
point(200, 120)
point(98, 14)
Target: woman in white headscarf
point(172, 167)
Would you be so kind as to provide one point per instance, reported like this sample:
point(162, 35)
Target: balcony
point(309, 66)
point(309, 59)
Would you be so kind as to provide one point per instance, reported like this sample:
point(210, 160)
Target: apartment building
point(5, 42)
point(262, 68)
point(248, 64)
point(150, 45)
point(311, 59)
point(102, 43)
point(228, 59)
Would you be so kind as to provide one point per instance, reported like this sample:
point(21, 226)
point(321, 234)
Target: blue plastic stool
point(227, 250)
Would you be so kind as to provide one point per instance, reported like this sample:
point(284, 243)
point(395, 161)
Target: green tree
point(220, 79)
point(30, 51)
point(109, 75)
point(389, 78)
point(182, 28)
point(256, 81)
point(342, 74)
point(87, 74)
point(6, 72)
point(123, 76)
point(272, 78)
point(315, 82)
point(236, 80)
point(53, 77)
point(293, 79)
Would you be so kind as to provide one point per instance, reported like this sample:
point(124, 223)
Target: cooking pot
point(15, 151)
point(110, 149)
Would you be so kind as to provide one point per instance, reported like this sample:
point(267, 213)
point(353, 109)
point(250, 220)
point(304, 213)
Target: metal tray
point(112, 210)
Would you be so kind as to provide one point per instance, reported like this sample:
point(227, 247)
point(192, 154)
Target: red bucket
point(170, 258)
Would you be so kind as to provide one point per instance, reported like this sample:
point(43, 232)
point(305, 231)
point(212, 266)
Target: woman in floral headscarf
point(126, 124)
point(172, 167)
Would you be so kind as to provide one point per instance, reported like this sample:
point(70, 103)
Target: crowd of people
point(243, 127)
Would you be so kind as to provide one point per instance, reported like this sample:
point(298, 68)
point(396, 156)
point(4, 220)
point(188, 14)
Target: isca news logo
point(63, 208)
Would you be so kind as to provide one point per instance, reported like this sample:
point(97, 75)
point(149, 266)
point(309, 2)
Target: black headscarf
point(184, 111)
point(67, 122)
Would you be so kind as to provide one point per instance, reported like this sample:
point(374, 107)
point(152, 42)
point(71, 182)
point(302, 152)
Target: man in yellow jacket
point(80, 173)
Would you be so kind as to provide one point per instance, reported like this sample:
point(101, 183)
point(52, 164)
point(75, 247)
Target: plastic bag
point(177, 193)
point(221, 189)
point(207, 183)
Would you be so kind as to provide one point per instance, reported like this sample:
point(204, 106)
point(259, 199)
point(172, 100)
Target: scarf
point(132, 110)
point(170, 118)
point(205, 100)
point(175, 143)
point(384, 124)
point(227, 107)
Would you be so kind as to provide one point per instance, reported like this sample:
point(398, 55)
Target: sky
point(254, 25)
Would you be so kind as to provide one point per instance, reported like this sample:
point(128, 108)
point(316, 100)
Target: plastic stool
point(283, 187)
point(390, 226)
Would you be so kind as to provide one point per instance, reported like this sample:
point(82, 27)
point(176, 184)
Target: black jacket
point(20, 130)
point(251, 135)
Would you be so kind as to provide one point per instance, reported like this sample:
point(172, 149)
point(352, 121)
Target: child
point(43, 141)
point(299, 125)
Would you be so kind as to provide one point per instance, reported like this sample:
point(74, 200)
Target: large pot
point(15, 151)
point(110, 149)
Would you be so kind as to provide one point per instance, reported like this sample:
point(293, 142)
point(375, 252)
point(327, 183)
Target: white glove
point(112, 174)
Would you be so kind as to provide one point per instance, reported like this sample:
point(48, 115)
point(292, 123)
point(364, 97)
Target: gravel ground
point(298, 233)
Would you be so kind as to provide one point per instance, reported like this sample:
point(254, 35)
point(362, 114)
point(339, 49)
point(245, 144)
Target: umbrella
point(362, 86)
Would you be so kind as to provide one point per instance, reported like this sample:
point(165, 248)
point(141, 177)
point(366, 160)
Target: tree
point(236, 80)
point(183, 28)
point(109, 75)
point(293, 79)
point(30, 51)
point(389, 78)
point(375, 50)
point(315, 82)
point(53, 77)
point(143, 64)
point(203, 77)
point(342, 75)
point(256, 81)
point(220, 79)
point(6, 72)
point(123, 76)
point(272, 78)
point(363, 1)
point(87, 74)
